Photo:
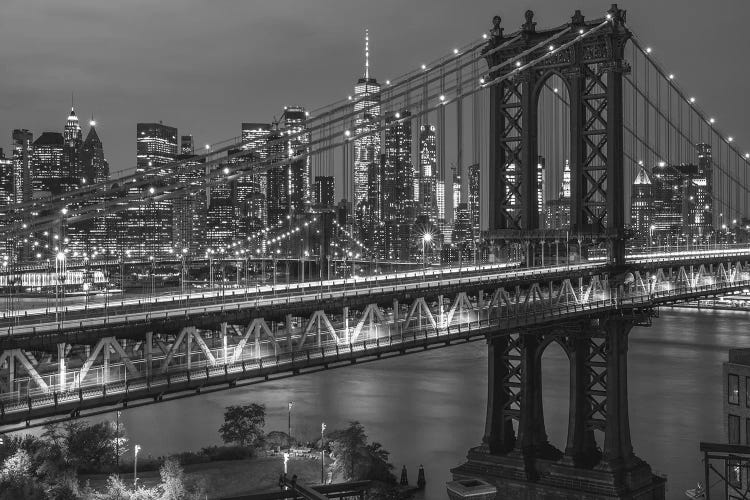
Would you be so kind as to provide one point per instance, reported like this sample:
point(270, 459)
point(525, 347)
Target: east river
point(429, 408)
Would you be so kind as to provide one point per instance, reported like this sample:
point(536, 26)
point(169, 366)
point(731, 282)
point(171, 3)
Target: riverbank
point(228, 478)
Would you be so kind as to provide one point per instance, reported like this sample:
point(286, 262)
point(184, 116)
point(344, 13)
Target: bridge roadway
point(257, 357)
point(24, 326)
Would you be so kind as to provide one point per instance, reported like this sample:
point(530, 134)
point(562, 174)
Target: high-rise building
point(95, 167)
point(557, 211)
point(255, 138)
point(704, 192)
point(297, 144)
point(73, 136)
point(473, 202)
point(6, 181)
point(540, 179)
point(324, 191)
point(456, 190)
point(428, 173)
point(189, 209)
point(367, 142)
point(49, 174)
point(676, 194)
point(397, 181)
point(148, 231)
point(22, 153)
point(642, 206)
point(187, 146)
point(277, 183)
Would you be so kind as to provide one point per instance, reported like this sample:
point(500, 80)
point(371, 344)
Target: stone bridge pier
point(598, 460)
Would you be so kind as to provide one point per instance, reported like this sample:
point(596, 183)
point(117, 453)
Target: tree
point(243, 424)
point(17, 478)
point(354, 459)
point(172, 480)
point(278, 438)
point(85, 447)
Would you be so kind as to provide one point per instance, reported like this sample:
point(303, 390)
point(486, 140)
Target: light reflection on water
point(429, 408)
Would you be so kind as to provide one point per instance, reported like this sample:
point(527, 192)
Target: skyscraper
point(6, 181)
point(367, 141)
point(704, 191)
point(642, 206)
point(94, 166)
point(252, 187)
point(22, 152)
point(277, 184)
point(73, 137)
point(473, 202)
point(49, 174)
point(540, 179)
point(294, 119)
point(557, 213)
point(397, 180)
point(428, 205)
point(189, 209)
point(148, 231)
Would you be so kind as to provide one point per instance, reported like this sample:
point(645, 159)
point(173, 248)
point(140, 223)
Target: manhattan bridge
point(588, 91)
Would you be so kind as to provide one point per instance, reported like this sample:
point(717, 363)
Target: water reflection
point(430, 408)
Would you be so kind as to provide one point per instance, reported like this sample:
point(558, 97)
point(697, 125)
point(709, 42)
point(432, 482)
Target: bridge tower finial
point(529, 26)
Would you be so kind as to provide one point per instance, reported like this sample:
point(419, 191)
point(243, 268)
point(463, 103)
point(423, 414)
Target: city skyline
point(118, 113)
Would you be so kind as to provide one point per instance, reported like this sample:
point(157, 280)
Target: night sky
point(205, 66)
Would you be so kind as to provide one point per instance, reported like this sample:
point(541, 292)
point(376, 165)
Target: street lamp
point(651, 234)
point(60, 271)
point(426, 238)
point(289, 428)
point(322, 452)
point(136, 449)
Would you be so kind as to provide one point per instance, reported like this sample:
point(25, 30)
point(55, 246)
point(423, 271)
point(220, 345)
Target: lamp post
point(289, 427)
point(59, 271)
point(426, 238)
point(136, 449)
point(322, 452)
point(651, 234)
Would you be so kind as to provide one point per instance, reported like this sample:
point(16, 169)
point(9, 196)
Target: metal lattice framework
point(592, 68)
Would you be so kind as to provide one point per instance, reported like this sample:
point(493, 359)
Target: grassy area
point(232, 477)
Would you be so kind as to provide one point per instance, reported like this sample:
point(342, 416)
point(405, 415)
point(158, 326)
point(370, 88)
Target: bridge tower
point(592, 69)
point(515, 454)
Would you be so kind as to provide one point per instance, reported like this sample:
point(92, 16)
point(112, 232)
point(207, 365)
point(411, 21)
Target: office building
point(49, 173)
point(428, 204)
point(367, 139)
point(22, 153)
point(397, 181)
point(642, 207)
point(189, 209)
point(94, 166)
point(147, 226)
point(473, 201)
point(297, 145)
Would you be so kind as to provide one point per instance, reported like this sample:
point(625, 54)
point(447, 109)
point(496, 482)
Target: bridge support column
point(224, 349)
point(61, 375)
point(527, 466)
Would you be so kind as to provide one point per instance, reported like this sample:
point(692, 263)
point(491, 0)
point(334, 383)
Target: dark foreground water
point(429, 408)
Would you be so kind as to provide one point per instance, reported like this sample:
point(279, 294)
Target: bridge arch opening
point(555, 366)
point(553, 151)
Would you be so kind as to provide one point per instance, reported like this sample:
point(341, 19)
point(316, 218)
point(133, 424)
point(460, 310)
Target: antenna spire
point(367, 53)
